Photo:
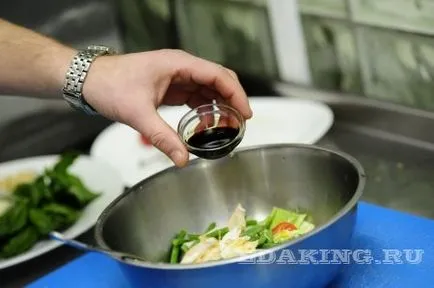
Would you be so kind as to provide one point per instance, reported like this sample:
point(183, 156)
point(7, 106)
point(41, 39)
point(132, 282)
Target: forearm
point(31, 64)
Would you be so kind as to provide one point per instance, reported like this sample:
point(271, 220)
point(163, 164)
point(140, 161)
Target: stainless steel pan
point(327, 184)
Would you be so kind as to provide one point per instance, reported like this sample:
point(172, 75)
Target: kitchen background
point(380, 49)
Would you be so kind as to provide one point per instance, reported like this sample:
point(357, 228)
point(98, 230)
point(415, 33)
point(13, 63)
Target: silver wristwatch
point(76, 75)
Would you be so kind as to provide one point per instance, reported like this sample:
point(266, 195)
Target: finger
point(180, 94)
point(162, 136)
point(210, 94)
point(232, 73)
point(224, 83)
point(188, 87)
point(195, 101)
point(206, 73)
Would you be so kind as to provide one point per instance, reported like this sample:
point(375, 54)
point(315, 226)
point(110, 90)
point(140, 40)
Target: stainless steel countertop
point(395, 145)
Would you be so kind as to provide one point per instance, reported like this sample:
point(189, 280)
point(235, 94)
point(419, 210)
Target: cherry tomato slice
point(284, 226)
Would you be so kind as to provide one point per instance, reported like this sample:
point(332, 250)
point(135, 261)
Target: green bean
point(251, 222)
point(253, 230)
point(262, 240)
point(268, 245)
point(254, 237)
point(185, 248)
point(218, 233)
point(174, 255)
point(268, 235)
point(177, 242)
point(191, 237)
point(180, 238)
point(210, 227)
point(267, 221)
point(182, 234)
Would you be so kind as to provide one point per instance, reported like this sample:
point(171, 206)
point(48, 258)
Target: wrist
point(95, 83)
point(59, 58)
point(76, 77)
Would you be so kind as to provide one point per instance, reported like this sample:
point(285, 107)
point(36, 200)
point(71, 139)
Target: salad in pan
point(240, 237)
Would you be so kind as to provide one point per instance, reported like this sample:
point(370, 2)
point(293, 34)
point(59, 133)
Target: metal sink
point(395, 145)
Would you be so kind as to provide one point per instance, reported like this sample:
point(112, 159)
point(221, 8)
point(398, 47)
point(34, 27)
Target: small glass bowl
point(211, 131)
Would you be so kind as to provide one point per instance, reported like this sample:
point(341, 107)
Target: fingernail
point(250, 114)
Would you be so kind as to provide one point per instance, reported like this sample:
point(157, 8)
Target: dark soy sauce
point(214, 139)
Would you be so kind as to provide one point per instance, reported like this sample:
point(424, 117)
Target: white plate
point(96, 175)
point(275, 120)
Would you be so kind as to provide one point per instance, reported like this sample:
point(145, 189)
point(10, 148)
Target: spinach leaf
point(61, 216)
point(79, 190)
point(41, 221)
point(70, 190)
point(20, 243)
point(14, 219)
point(35, 192)
point(66, 160)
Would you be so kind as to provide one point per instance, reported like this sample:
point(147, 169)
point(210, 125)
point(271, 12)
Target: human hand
point(129, 89)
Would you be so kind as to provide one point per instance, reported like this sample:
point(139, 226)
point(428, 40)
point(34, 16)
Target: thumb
point(163, 137)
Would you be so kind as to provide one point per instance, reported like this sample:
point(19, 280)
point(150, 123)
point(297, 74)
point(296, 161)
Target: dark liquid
point(214, 138)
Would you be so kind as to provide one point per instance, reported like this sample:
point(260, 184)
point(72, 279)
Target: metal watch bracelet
point(76, 76)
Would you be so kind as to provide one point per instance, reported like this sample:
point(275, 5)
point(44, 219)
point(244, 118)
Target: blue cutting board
point(377, 229)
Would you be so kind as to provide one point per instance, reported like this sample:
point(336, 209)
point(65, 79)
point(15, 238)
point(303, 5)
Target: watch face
point(97, 47)
point(102, 48)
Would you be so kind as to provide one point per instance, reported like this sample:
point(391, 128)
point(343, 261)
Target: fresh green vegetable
point(251, 222)
point(262, 240)
point(186, 246)
point(210, 227)
point(19, 243)
point(269, 245)
point(278, 227)
point(32, 191)
point(284, 236)
point(69, 189)
point(62, 216)
point(14, 219)
point(180, 238)
point(252, 231)
point(299, 220)
point(267, 221)
point(174, 256)
point(219, 233)
point(306, 227)
point(192, 237)
point(41, 221)
point(268, 235)
point(65, 162)
point(281, 215)
point(53, 201)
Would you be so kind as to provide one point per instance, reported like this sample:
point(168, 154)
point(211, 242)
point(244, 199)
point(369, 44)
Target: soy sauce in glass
point(212, 131)
point(214, 143)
